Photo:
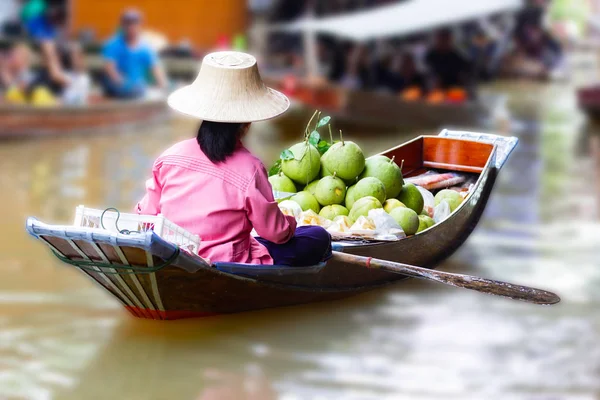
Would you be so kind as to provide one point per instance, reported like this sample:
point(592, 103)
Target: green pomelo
point(311, 187)
point(407, 219)
point(305, 165)
point(330, 190)
point(346, 159)
point(282, 183)
point(306, 201)
point(332, 211)
point(350, 182)
point(387, 171)
point(390, 204)
point(349, 201)
point(451, 196)
point(425, 222)
point(379, 158)
point(370, 186)
point(362, 207)
point(412, 198)
point(325, 172)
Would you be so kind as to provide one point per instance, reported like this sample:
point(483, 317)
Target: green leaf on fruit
point(324, 121)
point(323, 146)
point(314, 138)
point(286, 155)
point(275, 168)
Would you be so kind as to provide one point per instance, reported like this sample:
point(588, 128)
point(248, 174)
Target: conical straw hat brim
point(256, 106)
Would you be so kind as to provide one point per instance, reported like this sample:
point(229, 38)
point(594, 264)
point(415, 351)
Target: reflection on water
point(62, 338)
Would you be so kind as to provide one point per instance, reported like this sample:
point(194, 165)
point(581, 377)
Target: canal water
point(63, 338)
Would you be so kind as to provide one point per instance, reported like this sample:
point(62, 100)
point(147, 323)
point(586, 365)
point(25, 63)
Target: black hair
point(56, 14)
point(65, 57)
point(218, 140)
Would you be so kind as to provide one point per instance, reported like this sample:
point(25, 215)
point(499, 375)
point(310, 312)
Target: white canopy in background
point(401, 19)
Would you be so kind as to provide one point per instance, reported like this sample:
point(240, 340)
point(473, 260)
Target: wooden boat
point(155, 279)
point(100, 115)
point(354, 109)
point(588, 100)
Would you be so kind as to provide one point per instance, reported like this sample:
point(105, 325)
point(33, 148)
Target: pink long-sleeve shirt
point(221, 203)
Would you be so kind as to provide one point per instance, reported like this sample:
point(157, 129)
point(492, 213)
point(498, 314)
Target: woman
point(213, 186)
point(409, 75)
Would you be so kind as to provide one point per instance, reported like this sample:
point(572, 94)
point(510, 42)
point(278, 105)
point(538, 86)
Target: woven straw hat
point(229, 89)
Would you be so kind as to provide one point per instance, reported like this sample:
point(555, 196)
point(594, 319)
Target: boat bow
point(504, 145)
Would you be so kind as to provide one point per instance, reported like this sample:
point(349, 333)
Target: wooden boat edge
point(108, 105)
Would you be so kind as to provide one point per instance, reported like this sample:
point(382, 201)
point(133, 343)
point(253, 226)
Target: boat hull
point(17, 121)
point(191, 287)
point(357, 110)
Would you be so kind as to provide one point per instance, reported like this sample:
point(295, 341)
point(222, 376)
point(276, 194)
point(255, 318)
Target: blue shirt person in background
point(47, 24)
point(128, 60)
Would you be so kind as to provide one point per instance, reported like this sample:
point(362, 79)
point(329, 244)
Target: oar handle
point(489, 286)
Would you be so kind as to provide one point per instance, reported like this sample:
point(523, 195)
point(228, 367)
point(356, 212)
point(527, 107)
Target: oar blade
point(505, 289)
point(489, 286)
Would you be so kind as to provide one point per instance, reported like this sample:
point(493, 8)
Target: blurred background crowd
point(421, 64)
point(515, 43)
point(61, 75)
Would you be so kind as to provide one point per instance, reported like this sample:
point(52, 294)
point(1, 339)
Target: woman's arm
point(264, 213)
point(150, 204)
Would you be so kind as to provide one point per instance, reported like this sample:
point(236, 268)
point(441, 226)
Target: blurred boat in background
point(588, 99)
point(383, 111)
point(100, 115)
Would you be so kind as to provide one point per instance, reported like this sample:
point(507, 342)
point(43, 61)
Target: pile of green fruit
point(334, 178)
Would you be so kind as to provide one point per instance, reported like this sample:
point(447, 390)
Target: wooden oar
point(498, 288)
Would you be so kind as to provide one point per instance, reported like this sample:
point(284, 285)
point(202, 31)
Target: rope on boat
point(120, 269)
point(124, 231)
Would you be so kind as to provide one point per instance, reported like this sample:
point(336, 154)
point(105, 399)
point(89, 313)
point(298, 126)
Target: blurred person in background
point(385, 73)
point(533, 14)
point(73, 78)
point(48, 29)
point(351, 76)
point(535, 55)
point(539, 44)
point(45, 24)
point(15, 73)
point(358, 74)
point(535, 52)
point(68, 84)
point(482, 50)
point(128, 60)
point(447, 65)
point(412, 82)
point(335, 54)
point(32, 9)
